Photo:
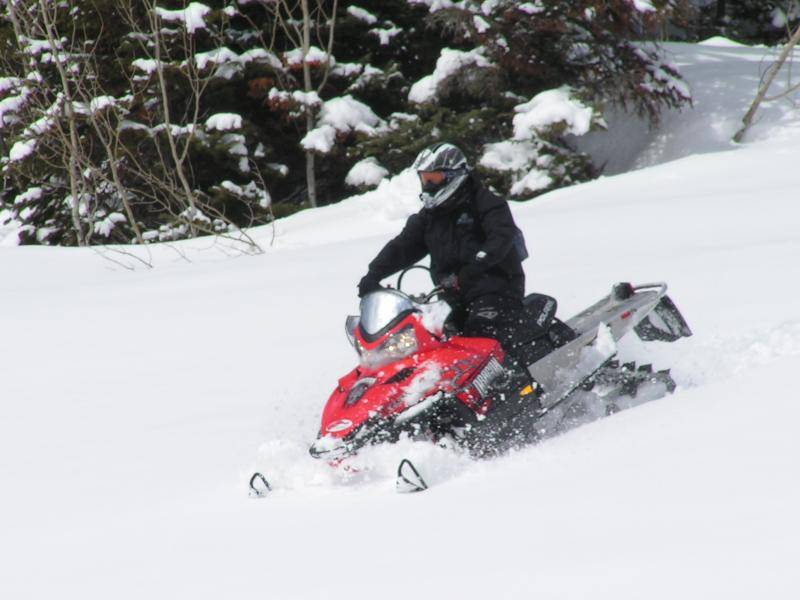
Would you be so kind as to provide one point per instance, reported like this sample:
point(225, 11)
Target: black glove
point(470, 273)
point(449, 282)
point(369, 283)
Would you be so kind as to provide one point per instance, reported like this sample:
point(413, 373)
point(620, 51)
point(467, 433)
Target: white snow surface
point(724, 77)
point(521, 158)
point(137, 402)
point(643, 5)
point(313, 56)
point(450, 61)
point(228, 62)
point(386, 35)
point(549, 108)
point(340, 114)
point(531, 8)
point(367, 172)
point(193, 16)
point(147, 65)
point(224, 122)
point(21, 150)
point(362, 15)
point(216, 56)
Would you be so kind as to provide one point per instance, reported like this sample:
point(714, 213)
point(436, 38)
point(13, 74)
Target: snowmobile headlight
point(397, 346)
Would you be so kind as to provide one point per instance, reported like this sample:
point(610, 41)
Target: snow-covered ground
point(135, 403)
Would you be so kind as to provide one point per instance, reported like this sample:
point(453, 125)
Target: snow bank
point(722, 42)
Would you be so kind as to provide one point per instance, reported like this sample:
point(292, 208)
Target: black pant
point(493, 316)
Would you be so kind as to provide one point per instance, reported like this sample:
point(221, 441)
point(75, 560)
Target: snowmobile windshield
point(380, 309)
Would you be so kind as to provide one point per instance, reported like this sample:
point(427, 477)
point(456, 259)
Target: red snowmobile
point(417, 376)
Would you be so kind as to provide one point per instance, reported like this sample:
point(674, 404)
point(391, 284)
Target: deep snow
point(135, 404)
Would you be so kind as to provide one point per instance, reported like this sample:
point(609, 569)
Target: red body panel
point(389, 390)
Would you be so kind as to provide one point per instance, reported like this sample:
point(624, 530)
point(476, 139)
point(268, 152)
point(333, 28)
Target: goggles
point(431, 180)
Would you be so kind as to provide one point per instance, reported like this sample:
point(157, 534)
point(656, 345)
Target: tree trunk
point(721, 10)
point(121, 191)
point(311, 176)
point(162, 84)
point(69, 109)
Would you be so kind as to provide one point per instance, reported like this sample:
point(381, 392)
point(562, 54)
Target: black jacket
point(477, 220)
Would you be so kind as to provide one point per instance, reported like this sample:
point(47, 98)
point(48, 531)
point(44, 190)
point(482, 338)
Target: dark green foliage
point(749, 21)
point(586, 47)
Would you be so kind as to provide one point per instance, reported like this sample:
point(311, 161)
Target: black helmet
point(446, 159)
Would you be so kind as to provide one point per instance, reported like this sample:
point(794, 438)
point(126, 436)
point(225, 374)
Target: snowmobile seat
point(560, 333)
point(540, 311)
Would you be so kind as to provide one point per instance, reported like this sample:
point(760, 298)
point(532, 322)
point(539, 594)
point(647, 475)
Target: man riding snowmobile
point(476, 250)
point(509, 371)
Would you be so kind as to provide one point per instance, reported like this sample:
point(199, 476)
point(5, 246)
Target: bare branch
point(762, 93)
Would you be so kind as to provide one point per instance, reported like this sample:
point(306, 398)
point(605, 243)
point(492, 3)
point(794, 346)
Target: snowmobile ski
point(408, 478)
point(259, 486)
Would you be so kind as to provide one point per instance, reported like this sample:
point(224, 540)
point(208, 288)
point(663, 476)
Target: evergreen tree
point(749, 21)
point(155, 98)
point(500, 67)
point(144, 120)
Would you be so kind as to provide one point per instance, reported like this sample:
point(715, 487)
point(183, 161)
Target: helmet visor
point(431, 181)
point(435, 194)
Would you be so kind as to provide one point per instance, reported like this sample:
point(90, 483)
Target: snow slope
point(124, 471)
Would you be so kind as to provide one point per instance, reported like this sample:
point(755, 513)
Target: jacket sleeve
point(498, 227)
point(403, 251)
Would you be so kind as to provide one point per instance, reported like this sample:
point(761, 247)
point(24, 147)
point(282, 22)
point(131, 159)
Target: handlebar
point(404, 271)
point(425, 298)
point(449, 284)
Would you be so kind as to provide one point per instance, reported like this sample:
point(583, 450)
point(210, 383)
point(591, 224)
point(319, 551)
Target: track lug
point(665, 378)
